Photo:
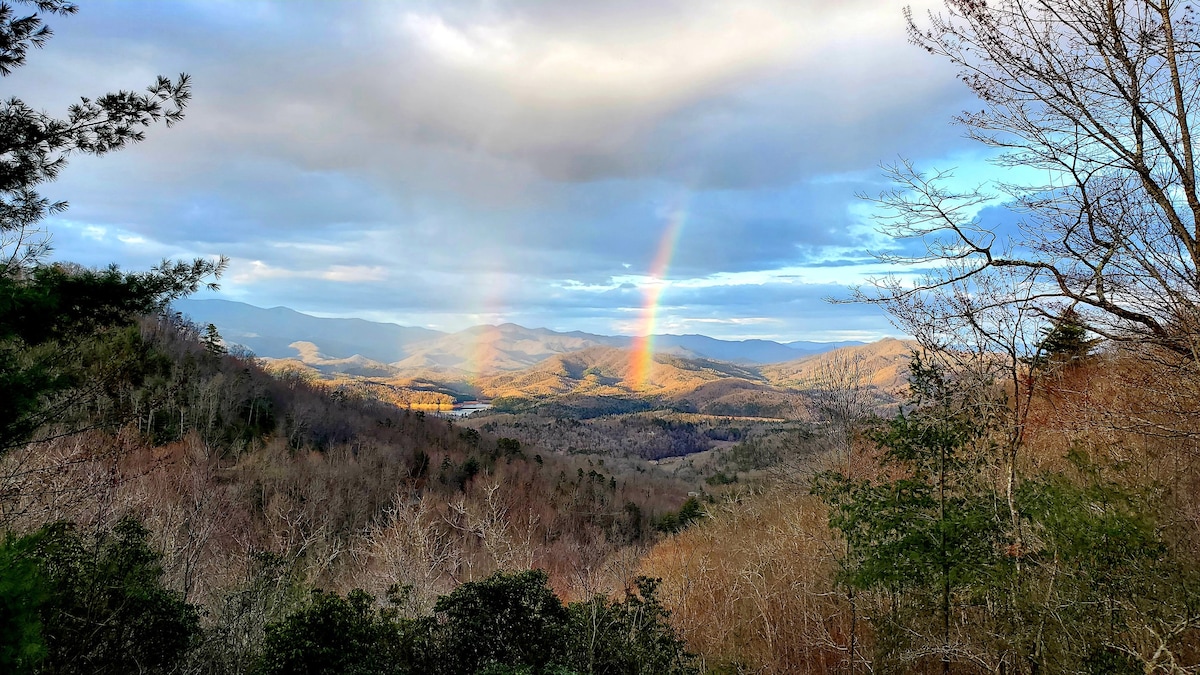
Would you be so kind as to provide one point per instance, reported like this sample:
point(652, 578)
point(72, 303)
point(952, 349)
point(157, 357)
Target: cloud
point(784, 307)
point(256, 271)
point(364, 158)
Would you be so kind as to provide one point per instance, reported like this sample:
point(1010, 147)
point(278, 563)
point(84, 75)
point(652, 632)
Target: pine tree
point(212, 341)
point(1064, 341)
point(926, 532)
point(54, 319)
point(34, 146)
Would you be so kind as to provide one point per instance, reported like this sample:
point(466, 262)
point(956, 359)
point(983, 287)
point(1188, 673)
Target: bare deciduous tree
point(1096, 99)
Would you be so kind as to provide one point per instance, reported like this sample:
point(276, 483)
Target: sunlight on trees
point(1031, 508)
point(1096, 99)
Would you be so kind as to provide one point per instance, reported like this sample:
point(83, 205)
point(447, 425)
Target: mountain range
point(357, 346)
point(417, 366)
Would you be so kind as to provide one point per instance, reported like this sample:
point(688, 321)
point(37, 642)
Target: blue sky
point(446, 164)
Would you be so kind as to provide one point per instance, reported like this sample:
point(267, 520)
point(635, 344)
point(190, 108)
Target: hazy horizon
point(506, 323)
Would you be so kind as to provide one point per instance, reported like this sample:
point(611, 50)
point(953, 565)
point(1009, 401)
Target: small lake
point(462, 409)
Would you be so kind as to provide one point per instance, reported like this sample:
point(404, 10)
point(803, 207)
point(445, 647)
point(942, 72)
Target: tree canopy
point(52, 315)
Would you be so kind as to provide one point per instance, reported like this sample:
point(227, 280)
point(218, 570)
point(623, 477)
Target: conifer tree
point(34, 146)
point(52, 316)
point(1064, 341)
point(925, 533)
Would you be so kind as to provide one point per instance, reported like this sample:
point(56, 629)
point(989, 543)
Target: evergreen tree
point(72, 603)
point(926, 532)
point(1106, 591)
point(631, 637)
point(212, 341)
point(53, 317)
point(22, 592)
point(34, 146)
point(65, 335)
point(332, 635)
point(506, 619)
point(506, 624)
point(1064, 341)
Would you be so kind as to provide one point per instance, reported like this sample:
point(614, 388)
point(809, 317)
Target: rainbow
point(642, 357)
point(484, 354)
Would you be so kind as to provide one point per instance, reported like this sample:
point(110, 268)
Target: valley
point(576, 394)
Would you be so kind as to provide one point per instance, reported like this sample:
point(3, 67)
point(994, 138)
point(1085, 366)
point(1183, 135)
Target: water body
point(462, 409)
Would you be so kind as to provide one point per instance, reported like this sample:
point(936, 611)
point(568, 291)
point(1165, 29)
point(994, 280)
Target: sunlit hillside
point(685, 384)
point(882, 365)
point(757, 584)
point(310, 357)
point(608, 371)
point(489, 349)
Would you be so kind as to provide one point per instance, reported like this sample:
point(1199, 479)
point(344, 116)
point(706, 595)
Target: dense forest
point(1031, 506)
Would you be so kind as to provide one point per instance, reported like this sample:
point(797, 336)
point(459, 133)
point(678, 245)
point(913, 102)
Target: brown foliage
point(752, 588)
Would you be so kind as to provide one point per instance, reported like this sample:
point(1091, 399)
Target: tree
point(1064, 341)
point(1098, 97)
point(1109, 592)
point(1100, 584)
point(22, 593)
point(34, 146)
point(54, 318)
point(926, 532)
point(506, 619)
point(332, 635)
point(631, 637)
point(1096, 100)
point(212, 341)
point(64, 334)
point(689, 512)
point(105, 609)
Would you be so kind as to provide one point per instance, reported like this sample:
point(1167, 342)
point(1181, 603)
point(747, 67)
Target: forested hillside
point(239, 479)
point(281, 333)
point(1032, 507)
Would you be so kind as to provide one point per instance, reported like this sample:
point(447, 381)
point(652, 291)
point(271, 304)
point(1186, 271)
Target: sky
point(552, 163)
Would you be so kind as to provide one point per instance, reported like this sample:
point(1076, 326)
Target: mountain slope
point(489, 349)
point(883, 365)
point(270, 332)
point(606, 371)
point(744, 351)
point(807, 347)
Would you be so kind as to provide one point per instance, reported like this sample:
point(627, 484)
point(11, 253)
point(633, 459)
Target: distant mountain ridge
point(743, 351)
point(270, 332)
point(606, 371)
point(390, 349)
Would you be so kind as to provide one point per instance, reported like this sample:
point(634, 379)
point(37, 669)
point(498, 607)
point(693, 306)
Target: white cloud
point(249, 272)
point(353, 274)
point(673, 56)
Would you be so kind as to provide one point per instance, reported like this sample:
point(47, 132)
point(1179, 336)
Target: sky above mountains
point(562, 163)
